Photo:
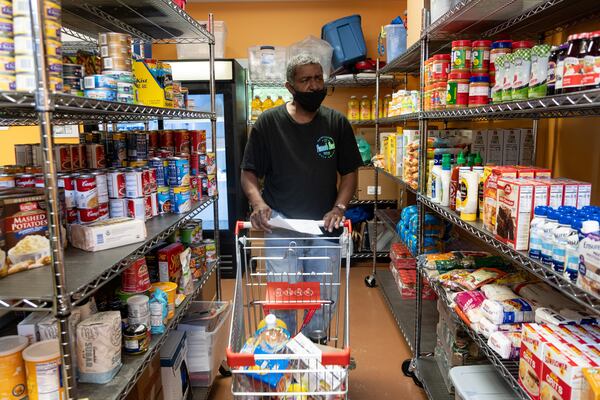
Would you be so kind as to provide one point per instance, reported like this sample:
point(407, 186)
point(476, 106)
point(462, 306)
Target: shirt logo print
point(325, 147)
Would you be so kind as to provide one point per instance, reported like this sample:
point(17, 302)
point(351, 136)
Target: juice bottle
point(373, 110)
point(365, 109)
point(279, 101)
point(268, 103)
point(386, 105)
point(256, 108)
point(353, 113)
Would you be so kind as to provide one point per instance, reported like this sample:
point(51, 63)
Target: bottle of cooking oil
point(257, 108)
point(353, 113)
point(268, 103)
point(365, 109)
point(279, 101)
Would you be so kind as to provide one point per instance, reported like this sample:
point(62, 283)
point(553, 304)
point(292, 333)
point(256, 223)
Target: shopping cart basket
point(309, 294)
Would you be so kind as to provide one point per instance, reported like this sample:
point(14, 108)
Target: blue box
point(346, 37)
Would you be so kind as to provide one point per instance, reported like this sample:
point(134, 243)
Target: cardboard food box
point(149, 90)
point(513, 212)
point(107, 234)
point(510, 152)
point(541, 193)
point(479, 144)
point(365, 188)
point(526, 147)
point(490, 188)
point(494, 147)
point(556, 194)
point(149, 385)
point(169, 263)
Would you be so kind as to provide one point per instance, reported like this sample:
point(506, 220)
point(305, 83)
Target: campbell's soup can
point(146, 184)
point(148, 206)
point(101, 185)
point(67, 182)
point(136, 208)
point(154, 203)
point(82, 156)
point(165, 152)
point(211, 167)
point(62, 155)
point(72, 216)
point(116, 183)
point(86, 192)
point(134, 184)
point(198, 141)
point(159, 165)
point(166, 139)
point(164, 200)
point(103, 211)
point(7, 181)
point(182, 141)
point(25, 180)
point(135, 279)
point(194, 163)
point(88, 215)
point(95, 156)
point(195, 192)
point(117, 208)
point(39, 181)
point(75, 157)
point(137, 146)
point(154, 139)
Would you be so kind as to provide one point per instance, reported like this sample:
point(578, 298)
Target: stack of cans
point(7, 47)
point(72, 79)
point(23, 45)
point(115, 50)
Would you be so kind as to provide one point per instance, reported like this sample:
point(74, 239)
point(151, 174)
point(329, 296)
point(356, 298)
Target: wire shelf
point(407, 62)
point(398, 180)
point(368, 255)
point(520, 258)
point(355, 202)
point(401, 118)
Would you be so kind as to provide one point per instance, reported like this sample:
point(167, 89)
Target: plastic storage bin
point(346, 37)
point(267, 63)
point(315, 47)
point(395, 41)
point(479, 382)
point(200, 50)
point(207, 337)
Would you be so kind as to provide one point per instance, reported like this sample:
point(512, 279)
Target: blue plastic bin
point(346, 37)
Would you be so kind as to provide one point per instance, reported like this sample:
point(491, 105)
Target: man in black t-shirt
point(299, 149)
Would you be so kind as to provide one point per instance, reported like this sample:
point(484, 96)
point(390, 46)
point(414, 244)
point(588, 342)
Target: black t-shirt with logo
point(300, 162)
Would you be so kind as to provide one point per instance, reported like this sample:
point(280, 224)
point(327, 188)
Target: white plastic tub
point(267, 63)
point(200, 50)
point(479, 382)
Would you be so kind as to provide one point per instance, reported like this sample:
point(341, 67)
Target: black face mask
point(310, 101)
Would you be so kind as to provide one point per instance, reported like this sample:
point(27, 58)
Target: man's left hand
point(333, 219)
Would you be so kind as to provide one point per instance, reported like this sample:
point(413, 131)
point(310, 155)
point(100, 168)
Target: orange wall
point(20, 135)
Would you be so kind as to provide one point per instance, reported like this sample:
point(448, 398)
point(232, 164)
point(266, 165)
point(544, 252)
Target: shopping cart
point(297, 279)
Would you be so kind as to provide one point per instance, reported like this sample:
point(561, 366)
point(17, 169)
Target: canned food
point(154, 203)
point(116, 50)
point(159, 166)
point(153, 179)
point(137, 164)
point(136, 208)
point(25, 81)
point(7, 64)
point(134, 184)
point(135, 278)
point(146, 181)
point(53, 48)
point(20, 7)
point(198, 141)
point(119, 148)
point(180, 199)
point(8, 82)
point(7, 181)
point(52, 28)
point(183, 155)
point(33, 169)
point(136, 337)
point(182, 141)
point(186, 234)
point(55, 83)
point(86, 192)
point(101, 94)
point(203, 185)
point(95, 155)
point(22, 25)
point(72, 70)
point(62, 155)
point(148, 206)
point(164, 200)
point(54, 64)
point(6, 11)
point(154, 139)
point(23, 45)
point(117, 208)
point(7, 45)
point(122, 76)
point(67, 182)
point(23, 154)
point(12, 169)
point(88, 215)
point(99, 82)
point(179, 171)
point(125, 98)
point(52, 11)
point(211, 185)
point(195, 194)
point(116, 63)
point(211, 167)
point(72, 216)
point(114, 38)
point(103, 211)
point(6, 27)
point(75, 157)
point(116, 184)
point(25, 180)
point(137, 146)
point(194, 164)
point(101, 186)
point(24, 63)
point(211, 250)
point(166, 139)
point(165, 152)
point(39, 181)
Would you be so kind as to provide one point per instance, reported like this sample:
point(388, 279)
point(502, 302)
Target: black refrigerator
point(231, 140)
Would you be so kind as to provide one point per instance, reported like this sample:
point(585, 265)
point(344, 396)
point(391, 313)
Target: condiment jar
point(573, 63)
point(479, 89)
point(461, 56)
point(439, 94)
point(591, 62)
point(552, 70)
point(441, 65)
point(457, 90)
point(480, 56)
point(560, 67)
point(136, 339)
point(521, 68)
point(500, 47)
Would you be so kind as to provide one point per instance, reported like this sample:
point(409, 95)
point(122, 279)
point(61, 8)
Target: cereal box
point(169, 263)
point(513, 212)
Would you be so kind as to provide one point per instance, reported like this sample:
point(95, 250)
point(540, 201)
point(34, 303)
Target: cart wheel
point(406, 370)
point(370, 281)
point(224, 371)
point(417, 382)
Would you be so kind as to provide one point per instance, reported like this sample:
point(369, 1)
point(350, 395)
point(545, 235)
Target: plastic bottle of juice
point(365, 109)
point(279, 101)
point(353, 113)
point(256, 108)
point(267, 104)
point(374, 111)
point(273, 337)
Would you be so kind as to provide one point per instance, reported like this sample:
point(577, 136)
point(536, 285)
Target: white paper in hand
point(305, 226)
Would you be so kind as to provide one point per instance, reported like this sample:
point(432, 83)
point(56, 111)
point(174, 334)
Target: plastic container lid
point(553, 215)
point(461, 43)
point(443, 56)
point(480, 382)
point(271, 321)
point(590, 226)
point(578, 36)
point(482, 43)
point(42, 351)
point(565, 220)
point(502, 44)
point(523, 44)
point(138, 299)
point(459, 75)
point(594, 34)
point(577, 223)
point(540, 211)
point(475, 78)
point(11, 344)
point(567, 209)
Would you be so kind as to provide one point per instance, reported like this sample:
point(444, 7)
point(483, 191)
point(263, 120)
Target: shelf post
point(44, 108)
point(213, 128)
point(377, 144)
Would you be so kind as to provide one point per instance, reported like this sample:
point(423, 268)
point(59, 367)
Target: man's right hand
point(261, 214)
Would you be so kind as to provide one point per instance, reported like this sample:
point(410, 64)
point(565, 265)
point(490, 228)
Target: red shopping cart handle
point(340, 358)
point(247, 225)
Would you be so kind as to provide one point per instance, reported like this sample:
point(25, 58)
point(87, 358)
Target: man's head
point(305, 81)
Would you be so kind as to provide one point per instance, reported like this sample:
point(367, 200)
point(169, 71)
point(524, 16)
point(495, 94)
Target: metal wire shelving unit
point(73, 274)
point(470, 19)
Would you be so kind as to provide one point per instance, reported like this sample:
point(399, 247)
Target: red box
point(541, 193)
point(557, 189)
point(398, 251)
point(513, 214)
point(544, 173)
point(525, 172)
point(169, 264)
point(406, 279)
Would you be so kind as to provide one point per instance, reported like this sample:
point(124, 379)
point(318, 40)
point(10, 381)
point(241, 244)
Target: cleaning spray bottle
point(460, 161)
point(445, 180)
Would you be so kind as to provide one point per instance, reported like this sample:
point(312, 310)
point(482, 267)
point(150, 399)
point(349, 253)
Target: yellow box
point(591, 384)
point(149, 91)
point(392, 154)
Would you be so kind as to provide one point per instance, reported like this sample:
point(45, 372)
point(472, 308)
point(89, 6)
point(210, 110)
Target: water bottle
point(572, 253)
point(272, 338)
point(559, 245)
point(536, 231)
point(547, 236)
